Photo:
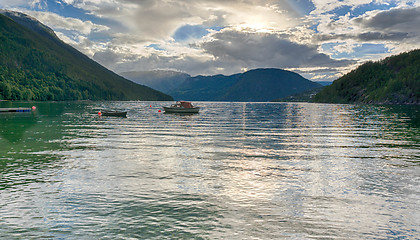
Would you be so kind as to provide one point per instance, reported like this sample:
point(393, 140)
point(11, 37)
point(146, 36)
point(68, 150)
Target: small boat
point(112, 113)
point(181, 107)
point(3, 110)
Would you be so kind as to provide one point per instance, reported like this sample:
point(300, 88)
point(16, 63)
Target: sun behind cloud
point(319, 39)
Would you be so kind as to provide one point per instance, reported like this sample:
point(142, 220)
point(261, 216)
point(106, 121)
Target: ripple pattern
point(233, 171)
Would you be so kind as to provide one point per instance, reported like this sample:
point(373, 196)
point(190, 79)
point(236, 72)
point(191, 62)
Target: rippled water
point(233, 171)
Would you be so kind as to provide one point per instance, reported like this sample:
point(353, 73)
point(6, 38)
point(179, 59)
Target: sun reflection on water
point(235, 170)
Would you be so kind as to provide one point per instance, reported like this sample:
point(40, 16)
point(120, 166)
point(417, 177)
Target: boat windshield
point(183, 104)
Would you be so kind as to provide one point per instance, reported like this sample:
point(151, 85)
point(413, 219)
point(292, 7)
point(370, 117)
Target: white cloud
point(395, 28)
point(149, 22)
point(226, 52)
point(56, 21)
point(9, 4)
point(256, 49)
point(256, 34)
point(139, 35)
point(160, 19)
point(325, 6)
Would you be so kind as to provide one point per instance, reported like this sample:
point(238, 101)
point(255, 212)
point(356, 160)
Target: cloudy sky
point(320, 39)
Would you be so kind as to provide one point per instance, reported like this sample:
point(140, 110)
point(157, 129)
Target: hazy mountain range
point(162, 80)
point(253, 85)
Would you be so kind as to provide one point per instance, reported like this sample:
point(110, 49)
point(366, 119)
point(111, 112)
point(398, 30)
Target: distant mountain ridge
point(204, 88)
point(263, 84)
point(393, 80)
point(162, 80)
point(36, 65)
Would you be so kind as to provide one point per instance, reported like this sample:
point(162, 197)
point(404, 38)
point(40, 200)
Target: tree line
point(395, 79)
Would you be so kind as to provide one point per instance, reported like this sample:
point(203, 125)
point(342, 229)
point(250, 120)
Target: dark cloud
point(399, 20)
point(226, 52)
point(365, 36)
point(264, 49)
point(393, 25)
point(373, 36)
point(228, 36)
point(122, 62)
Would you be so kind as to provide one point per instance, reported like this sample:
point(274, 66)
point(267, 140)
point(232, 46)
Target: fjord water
point(233, 171)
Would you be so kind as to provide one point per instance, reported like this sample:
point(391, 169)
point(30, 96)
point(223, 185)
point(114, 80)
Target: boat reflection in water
point(181, 107)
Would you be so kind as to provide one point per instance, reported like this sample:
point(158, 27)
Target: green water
point(233, 171)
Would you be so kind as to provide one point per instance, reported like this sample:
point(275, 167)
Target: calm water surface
point(233, 171)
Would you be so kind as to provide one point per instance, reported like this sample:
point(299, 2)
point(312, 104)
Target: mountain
point(161, 80)
point(254, 85)
point(325, 83)
point(305, 96)
point(393, 80)
point(204, 88)
point(36, 65)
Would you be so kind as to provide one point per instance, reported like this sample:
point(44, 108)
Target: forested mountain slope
point(393, 80)
point(36, 65)
point(254, 85)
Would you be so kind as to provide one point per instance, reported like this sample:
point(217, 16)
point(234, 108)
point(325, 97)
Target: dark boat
point(4, 110)
point(181, 107)
point(113, 113)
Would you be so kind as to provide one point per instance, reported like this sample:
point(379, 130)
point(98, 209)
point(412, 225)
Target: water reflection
point(236, 171)
point(14, 125)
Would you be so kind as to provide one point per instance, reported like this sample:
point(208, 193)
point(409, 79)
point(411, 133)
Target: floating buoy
point(99, 113)
point(160, 111)
point(33, 107)
point(150, 105)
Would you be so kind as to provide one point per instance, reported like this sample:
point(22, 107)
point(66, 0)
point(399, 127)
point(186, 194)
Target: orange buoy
point(33, 107)
point(99, 113)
